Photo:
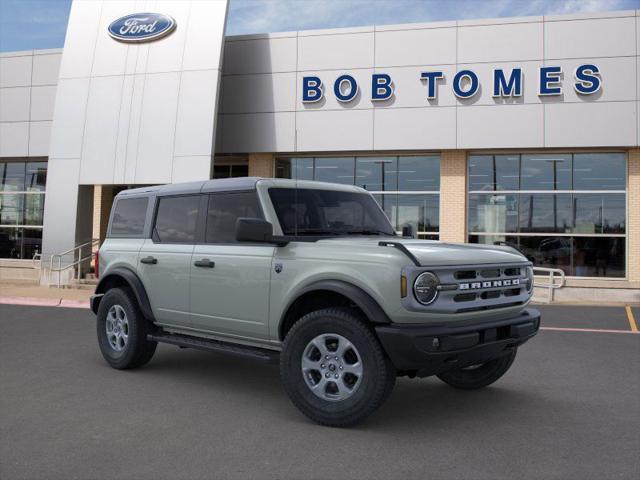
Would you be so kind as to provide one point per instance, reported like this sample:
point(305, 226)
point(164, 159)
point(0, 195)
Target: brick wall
point(633, 226)
point(453, 196)
point(261, 165)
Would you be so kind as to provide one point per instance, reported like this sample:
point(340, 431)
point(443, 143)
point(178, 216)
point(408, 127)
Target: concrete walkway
point(16, 293)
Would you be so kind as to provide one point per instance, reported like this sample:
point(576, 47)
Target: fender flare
point(358, 296)
point(134, 282)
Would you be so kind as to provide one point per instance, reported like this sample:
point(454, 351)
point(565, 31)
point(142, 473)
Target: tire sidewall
point(299, 337)
point(117, 296)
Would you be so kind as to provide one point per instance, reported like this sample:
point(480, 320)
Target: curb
point(44, 302)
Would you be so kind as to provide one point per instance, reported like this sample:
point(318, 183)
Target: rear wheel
point(334, 369)
point(122, 330)
point(481, 375)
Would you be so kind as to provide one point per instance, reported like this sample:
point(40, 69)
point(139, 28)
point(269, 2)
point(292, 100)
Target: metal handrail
point(78, 248)
point(551, 275)
point(37, 260)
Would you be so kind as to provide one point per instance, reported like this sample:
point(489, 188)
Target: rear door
point(164, 261)
point(230, 280)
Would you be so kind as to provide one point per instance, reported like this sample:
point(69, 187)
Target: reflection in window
point(421, 212)
point(13, 177)
point(419, 174)
point(176, 219)
point(588, 218)
point(545, 213)
point(36, 176)
point(493, 213)
point(230, 171)
point(400, 178)
point(377, 174)
point(335, 170)
point(545, 172)
point(494, 172)
point(599, 213)
point(224, 211)
point(599, 171)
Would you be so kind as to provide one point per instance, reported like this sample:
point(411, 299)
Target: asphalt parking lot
point(568, 409)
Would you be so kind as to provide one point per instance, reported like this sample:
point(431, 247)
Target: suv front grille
point(474, 288)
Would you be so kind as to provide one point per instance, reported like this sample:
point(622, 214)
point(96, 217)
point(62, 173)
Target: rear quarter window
point(129, 217)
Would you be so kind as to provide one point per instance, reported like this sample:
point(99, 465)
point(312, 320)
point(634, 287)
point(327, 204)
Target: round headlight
point(425, 288)
point(529, 279)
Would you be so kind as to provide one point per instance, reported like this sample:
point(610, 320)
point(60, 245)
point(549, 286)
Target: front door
point(164, 262)
point(230, 280)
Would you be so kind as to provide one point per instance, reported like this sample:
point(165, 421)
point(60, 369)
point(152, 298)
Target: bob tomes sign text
point(465, 84)
point(141, 27)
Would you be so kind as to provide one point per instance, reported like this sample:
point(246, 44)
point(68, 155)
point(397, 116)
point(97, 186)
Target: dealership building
point(518, 131)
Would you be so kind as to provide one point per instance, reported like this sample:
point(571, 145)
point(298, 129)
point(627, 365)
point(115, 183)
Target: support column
point(633, 225)
point(453, 196)
point(102, 202)
point(261, 165)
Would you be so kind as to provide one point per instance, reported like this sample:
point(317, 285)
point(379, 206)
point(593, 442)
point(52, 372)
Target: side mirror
point(253, 230)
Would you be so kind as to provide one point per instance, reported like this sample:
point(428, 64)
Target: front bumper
point(428, 351)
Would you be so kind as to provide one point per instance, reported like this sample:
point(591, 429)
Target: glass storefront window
point(36, 176)
point(401, 178)
point(545, 172)
point(11, 209)
point(421, 212)
point(493, 213)
point(599, 171)
point(580, 230)
point(543, 212)
point(22, 187)
point(13, 177)
point(597, 256)
point(377, 174)
point(494, 172)
point(599, 213)
point(33, 209)
point(335, 170)
point(419, 174)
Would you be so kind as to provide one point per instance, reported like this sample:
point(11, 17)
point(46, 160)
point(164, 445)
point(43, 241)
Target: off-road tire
point(482, 376)
point(378, 378)
point(137, 351)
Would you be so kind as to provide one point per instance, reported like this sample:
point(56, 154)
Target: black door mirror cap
point(256, 230)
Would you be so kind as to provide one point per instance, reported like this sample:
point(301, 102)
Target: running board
point(210, 345)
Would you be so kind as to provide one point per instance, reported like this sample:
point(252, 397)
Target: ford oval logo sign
point(141, 27)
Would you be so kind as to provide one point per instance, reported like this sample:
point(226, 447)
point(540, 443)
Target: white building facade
point(519, 131)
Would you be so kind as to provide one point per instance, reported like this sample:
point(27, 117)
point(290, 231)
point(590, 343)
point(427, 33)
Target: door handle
point(205, 262)
point(149, 260)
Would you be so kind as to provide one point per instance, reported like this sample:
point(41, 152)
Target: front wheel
point(481, 375)
point(122, 330)
point(334, 369)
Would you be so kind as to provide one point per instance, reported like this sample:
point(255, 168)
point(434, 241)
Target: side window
point(128, 217)
point(224, 210)
point(176, 219)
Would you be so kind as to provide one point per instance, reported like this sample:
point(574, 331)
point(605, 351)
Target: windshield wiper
point(369, 232)
point(316, 231)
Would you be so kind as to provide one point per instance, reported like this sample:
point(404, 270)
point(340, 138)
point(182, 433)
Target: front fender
point(117, 277)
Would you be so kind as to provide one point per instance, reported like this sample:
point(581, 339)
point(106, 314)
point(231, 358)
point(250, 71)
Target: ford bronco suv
point(313, 275)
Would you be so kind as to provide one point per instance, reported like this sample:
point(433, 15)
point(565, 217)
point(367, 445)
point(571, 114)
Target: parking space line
point(632, 321)
point(589, 330)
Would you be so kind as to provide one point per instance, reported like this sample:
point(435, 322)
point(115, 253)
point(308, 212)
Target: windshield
point(306, 211)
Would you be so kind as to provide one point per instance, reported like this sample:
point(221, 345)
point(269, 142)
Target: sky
point(34, 24)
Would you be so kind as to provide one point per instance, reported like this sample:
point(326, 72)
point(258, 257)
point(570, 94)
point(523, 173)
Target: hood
point(433, 253)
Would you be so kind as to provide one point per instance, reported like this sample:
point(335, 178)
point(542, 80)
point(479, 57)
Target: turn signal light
point(403, 286)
